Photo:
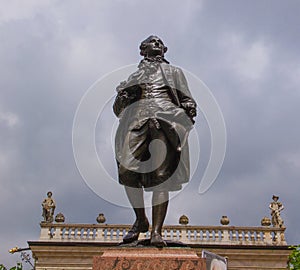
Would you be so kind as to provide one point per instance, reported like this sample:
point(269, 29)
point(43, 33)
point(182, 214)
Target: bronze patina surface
point(153, 104)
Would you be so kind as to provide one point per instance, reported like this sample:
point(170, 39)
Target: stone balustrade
point(191, 235)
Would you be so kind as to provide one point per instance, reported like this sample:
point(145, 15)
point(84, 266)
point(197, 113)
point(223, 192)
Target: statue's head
point(152, 46)
point(275, 198)
point(49, 194)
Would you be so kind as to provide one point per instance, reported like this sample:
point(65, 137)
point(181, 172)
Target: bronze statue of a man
point(154, 104)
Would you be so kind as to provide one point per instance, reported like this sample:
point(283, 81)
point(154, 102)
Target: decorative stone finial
point(101, 218)
point(48, 206)
point(60, 218)
point(183, 220)
point(224, 220)
point(265, 222)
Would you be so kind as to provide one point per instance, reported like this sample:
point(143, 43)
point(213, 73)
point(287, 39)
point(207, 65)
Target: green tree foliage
point(294, 258)
point(17, 267)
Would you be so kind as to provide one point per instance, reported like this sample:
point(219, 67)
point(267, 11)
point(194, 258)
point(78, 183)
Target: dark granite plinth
point(148, 259)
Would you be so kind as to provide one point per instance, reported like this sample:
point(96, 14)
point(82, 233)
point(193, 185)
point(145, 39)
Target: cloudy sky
point(246, 52)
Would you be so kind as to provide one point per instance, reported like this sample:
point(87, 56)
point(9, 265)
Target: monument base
point(148, 259)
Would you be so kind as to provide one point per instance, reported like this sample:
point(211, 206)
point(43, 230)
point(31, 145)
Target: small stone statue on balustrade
point(276, 207)
point(48, 205)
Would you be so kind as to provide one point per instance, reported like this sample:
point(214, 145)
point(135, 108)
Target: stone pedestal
point(148, 259)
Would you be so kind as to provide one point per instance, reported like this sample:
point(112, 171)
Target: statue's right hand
point(123, 94)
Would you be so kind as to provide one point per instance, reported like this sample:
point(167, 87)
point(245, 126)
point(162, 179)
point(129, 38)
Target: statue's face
point(154, 47)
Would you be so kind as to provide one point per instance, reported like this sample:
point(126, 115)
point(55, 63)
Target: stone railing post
point(57, 233)
point(183, 236)
point(99, 234)
point(282, 237)
point(45, 232)
point(268, 238)
point(225, 235)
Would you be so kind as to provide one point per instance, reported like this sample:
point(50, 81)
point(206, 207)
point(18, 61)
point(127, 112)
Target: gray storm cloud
point(246, 52)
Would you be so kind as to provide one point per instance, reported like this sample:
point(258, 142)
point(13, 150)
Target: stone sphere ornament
point(224, 220)
point(60, 218)
point(265, 222)
point(183, 220)
point(101, 218)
